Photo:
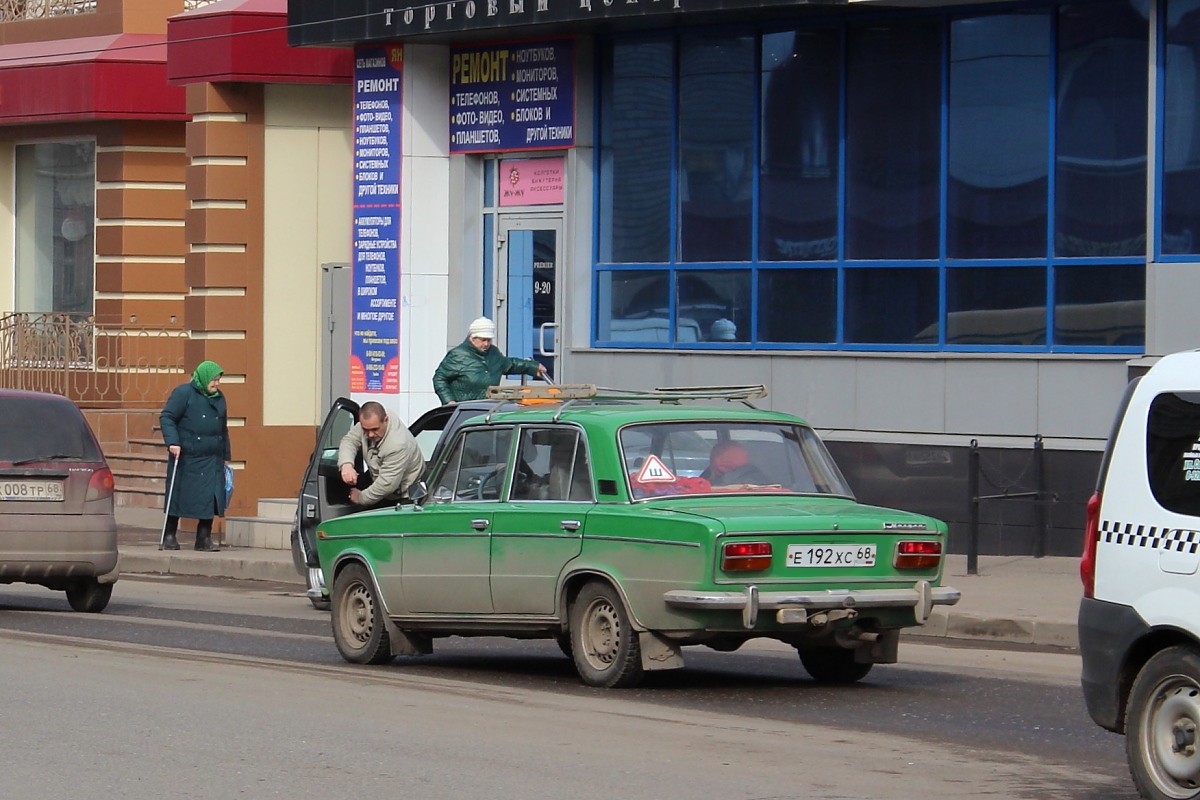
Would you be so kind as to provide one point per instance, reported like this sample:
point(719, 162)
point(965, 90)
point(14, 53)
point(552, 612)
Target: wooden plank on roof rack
point(589, 391)
point(738, 392)
point(562, 391)
point(674, 393)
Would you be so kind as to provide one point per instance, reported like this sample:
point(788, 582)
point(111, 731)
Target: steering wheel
point(483, 483)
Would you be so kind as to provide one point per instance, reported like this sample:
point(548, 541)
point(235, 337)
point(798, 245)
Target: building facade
point(165, 167)
point(921, 227)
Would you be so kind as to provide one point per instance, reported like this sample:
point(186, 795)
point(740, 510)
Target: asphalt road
point(220, 689)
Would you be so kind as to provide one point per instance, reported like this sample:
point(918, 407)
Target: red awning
point(121, 76)
point(246, 41)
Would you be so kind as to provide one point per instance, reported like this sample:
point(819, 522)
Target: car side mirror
point(417, 491)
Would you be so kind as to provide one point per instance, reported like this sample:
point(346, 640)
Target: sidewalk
point(1012, 599)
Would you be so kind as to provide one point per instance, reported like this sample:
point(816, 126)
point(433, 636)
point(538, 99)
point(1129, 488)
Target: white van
point(1139, 620)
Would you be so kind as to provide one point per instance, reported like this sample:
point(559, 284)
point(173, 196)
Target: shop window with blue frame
point(991, 305)
point(892, 305)
point(635, 306)
point(941, 180)
point(893, 121)
point(1180, 155)
point(1100, 158)
point(998, 148)
point(798, 176)
point(636, 146)
point(1100, 305)
point(797, 306)
point(1100, 174)
point(716, 146)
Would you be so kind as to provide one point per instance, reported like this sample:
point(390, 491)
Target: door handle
point(571, 524)
point(553, 326)
point(480, 524)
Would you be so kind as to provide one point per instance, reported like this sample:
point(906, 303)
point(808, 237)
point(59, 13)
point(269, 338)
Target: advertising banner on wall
point(518, 96)
point(375, 304)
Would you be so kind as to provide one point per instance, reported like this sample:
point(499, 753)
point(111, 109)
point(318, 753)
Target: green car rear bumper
point(795, 607)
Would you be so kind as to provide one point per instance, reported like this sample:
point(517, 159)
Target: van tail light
point(100, 487)
point(1091, 535)
point(746, 556)
point(918, 555)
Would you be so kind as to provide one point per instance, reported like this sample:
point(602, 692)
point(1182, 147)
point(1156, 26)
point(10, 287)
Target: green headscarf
point(204, 374)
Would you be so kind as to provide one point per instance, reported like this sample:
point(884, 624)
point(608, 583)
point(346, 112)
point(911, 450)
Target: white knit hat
point(482, 328)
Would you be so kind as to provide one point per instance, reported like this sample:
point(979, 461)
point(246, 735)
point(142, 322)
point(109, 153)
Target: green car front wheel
point(357, 618)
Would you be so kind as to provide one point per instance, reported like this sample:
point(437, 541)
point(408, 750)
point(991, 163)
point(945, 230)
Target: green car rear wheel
point(833, 665)
point(604, 645)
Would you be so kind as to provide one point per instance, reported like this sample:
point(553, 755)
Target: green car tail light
point(917, 554)
point(746, 556)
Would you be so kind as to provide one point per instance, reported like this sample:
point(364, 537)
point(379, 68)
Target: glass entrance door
point(528, 313)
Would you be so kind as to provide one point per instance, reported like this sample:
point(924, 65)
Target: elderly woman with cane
point(196, 432)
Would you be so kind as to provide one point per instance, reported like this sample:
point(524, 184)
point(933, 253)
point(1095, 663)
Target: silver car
point(56, 500)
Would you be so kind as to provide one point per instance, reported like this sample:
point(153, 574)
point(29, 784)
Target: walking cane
point(167, 508)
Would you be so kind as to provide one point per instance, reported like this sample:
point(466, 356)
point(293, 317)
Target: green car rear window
point(691, 458)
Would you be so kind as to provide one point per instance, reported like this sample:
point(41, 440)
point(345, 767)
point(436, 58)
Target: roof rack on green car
point(571, 392)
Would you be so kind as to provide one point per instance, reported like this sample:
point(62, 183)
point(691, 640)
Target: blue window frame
point(941, 180)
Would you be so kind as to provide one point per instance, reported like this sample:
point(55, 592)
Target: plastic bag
point(228, 484)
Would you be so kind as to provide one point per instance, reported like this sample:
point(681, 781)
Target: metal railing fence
point(13, 10)
point(97, 366)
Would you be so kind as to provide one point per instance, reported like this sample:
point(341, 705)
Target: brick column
point(224, 276)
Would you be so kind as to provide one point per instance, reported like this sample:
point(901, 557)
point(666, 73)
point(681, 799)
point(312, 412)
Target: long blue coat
point(196, 423)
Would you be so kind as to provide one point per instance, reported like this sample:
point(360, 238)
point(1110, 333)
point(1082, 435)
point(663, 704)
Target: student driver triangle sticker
point(655, 471)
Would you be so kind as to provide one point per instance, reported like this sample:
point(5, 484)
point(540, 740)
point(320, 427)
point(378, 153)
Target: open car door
point(428, 429)
point(323, 495)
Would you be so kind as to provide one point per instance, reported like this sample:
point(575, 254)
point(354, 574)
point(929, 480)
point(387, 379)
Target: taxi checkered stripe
point(1178, 540)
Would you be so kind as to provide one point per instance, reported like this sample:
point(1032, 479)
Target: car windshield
point(34, 429)
point(670, 459)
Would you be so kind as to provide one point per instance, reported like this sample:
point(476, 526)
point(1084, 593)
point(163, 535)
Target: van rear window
point(1173, 451)
point(34, 428)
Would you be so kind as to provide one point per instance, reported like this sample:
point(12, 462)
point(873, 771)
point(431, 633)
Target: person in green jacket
point(471, 367)
point(195, 430)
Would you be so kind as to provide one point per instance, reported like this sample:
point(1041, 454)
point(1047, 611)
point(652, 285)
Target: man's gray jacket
point(395, 463)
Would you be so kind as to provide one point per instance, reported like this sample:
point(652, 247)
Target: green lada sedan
point(627, 526)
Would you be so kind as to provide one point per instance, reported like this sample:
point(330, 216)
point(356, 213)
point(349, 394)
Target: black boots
point(169, 542)
point(205, 542)
point(204, 536)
